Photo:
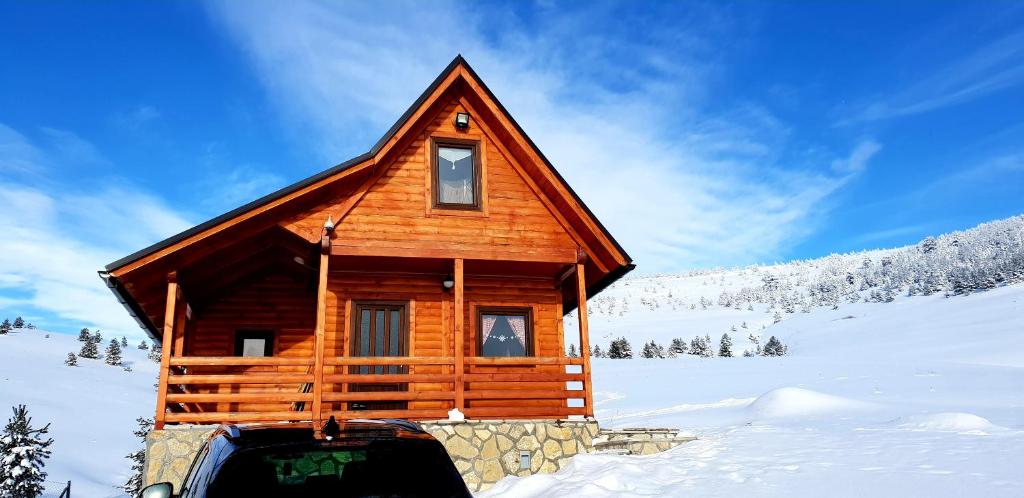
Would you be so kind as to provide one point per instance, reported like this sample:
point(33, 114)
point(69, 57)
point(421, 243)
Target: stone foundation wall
point(170, 451)
point(485, 451)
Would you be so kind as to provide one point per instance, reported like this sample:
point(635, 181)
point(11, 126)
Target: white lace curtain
point(516, 323)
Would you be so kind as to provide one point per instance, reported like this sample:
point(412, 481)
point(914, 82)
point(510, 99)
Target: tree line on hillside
point(7, 326)
point(699, 346)
point(112, 355)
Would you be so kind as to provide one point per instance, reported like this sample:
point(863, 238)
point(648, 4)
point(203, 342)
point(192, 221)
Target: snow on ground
point(91, 408)
point(920, 397)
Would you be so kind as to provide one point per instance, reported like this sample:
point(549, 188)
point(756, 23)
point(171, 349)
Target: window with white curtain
point(456, 176)
point(505, 332)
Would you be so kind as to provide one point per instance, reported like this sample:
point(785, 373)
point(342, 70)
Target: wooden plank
point(460, 343)
point(391, 396)
point(510, 412)
point(405, 250)
point(239, 397)
point(522, 360)
point(581, 310)
point(246, 361)
point(386, 378)
point(390, 360)
point(321, 324)
point(226, 417)
point(166, 348)
point(421, 414)
point(252, 378)
point(522, 394)
point(524, 377)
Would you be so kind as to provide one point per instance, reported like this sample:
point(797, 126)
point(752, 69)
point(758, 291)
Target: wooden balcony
point(233, 389)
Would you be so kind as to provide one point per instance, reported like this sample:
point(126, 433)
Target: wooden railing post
point(460, 316)
point(321, 324)
point(581, 310)
point(166, 347)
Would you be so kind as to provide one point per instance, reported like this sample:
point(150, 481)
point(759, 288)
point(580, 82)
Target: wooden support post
point(166, 347)
point(321, 324)
point(460, 343)
point(581, 310)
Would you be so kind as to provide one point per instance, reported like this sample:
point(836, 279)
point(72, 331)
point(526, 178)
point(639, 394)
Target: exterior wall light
point(329, 224)
point(462, 120)
point(448, 283)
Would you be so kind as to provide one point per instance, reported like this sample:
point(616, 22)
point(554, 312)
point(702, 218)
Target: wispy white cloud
point(623, 119)
point(137, 117)
point(55, 239)
point(993, 67)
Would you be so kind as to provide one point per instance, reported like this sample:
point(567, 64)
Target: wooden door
point(380, 329)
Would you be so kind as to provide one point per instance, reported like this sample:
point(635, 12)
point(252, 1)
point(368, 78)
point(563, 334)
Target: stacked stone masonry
point(484, 451)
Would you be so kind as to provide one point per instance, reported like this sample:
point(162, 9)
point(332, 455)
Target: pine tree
point(572, 351)
point(155, 353)
point(83, 335)
point(620, 349)
point(124, 342)
point(143, 345)
point(650, 350)
point(133, 486)
point(72, 360)
point(725, 346)
point(30, 326)
point(89, 350)
point(701, 346)
point(774, 347)
point(23, 454)
point(97, 337)
point(5, 327)
point(597, 352)
point(19, 323)
point(677, 347)
point(112, 356)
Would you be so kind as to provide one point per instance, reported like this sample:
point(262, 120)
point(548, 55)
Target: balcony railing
point(234, 389)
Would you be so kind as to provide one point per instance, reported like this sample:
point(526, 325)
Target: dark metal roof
point(146, 323)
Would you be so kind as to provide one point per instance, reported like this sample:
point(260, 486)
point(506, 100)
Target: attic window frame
point(474, 146)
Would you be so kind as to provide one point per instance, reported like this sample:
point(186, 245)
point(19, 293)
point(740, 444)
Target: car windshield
point(382, 468)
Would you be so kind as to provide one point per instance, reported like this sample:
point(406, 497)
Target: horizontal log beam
point(384, 378)
point(246, 361)
point(523, 361)
point(511, 412)
point(408, 414)
point(225, 417)
point(523, 377)
point(389, 360)
point(241, 379)
point(239, 397)
point(559, 256)
point(524, 394)
point(391, 396)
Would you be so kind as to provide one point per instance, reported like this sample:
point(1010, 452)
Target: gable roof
point(455, 63)
point(458, 62)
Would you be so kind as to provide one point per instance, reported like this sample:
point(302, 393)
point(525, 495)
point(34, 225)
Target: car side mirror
point(158, 490)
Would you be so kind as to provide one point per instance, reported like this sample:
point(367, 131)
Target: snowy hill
point(920, 397)
point(91, 408)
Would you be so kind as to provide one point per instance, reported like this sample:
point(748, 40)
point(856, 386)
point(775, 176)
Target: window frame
point(435, 178)
point(526, 311)
point(403, 331)
point(268, 335)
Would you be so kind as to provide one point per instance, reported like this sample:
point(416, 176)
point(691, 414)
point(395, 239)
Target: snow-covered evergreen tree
point(112, 355)
point(71, 360)
point(725, 346)
point(701, 346)
point(143, 345)
point(124, 342)
point(97, 337)
point(677, 347)
point(572, 351)
point(23, 454)
point(19, 322)
point(5, 326)
point(652, 350)
point(155, 353)
point(84, 335)
point(774, 347)
point(133, 486)
point(620, 349)
point(89, 350)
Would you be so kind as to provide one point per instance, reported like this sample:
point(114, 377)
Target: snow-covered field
point(923, 396)
point(91, 408)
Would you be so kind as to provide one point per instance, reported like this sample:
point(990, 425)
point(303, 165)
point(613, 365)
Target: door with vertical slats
point(379, 329)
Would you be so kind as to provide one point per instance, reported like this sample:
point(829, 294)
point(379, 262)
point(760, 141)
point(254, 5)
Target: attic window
point(456, 175)
point(258, 343)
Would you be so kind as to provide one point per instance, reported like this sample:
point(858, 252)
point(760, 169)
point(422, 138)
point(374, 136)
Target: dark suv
point(358, 458)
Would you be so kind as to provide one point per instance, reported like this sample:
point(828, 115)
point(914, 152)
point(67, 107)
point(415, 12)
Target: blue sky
point(702, 134)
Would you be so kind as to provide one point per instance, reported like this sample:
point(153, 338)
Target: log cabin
point(429, 274)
